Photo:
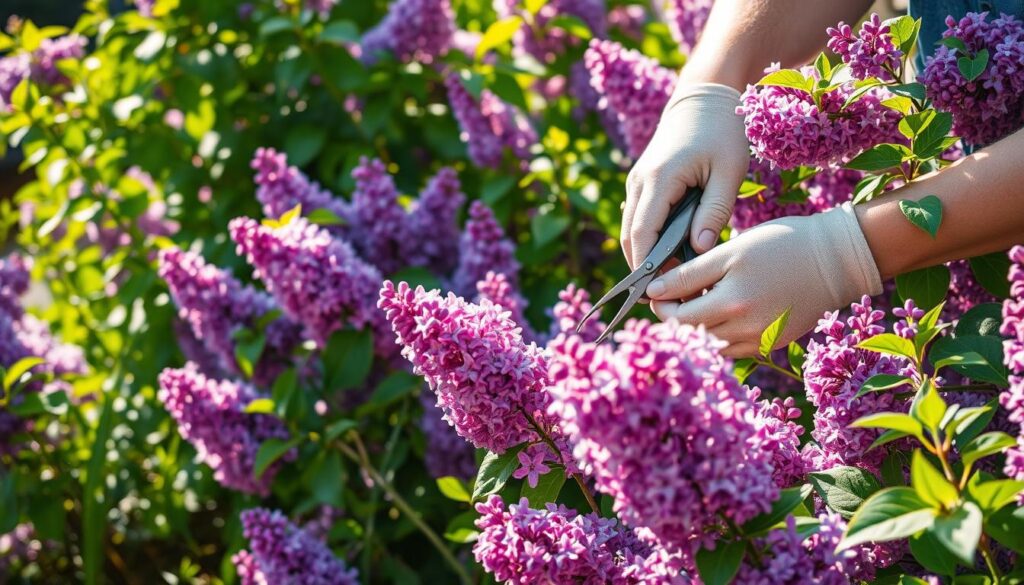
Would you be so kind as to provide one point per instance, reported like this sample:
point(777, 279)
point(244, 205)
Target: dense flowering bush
point(292, 291)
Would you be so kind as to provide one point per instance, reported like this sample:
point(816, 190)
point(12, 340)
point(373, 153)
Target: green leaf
point(1007, 527)
point(750, 188)
point(985, 445)
point(970, 68)
point(720, 566)
point(260, 406)
point(926, 214)
point(960, 532)
point(888, 437)
point(743, 368)
point(454, 488)
point(991, 496)
point(824, 67)
point(547, 489)
point(880, 158)
point(927, 286)
point(304, 142)
point(494, 472)
point(8, 503)
point(396, 386)
point(270, 451)
point(896, 421)
point(18, 369)
point(880, 382)
point(904, 31)
point(989, 347)
point(930, 484)
point(892, 469)
point(789, 500)
point(903, 105)
point(797, 356)
point(548, 224)
point(462, 528)
point(890, 514)
point(275, 25)
point(788, 78)
point(890, 343)
point(932, 140)
point(347, 358)
point(912, 124)
point(498, 34)
point(338, 428)
point(911, 90)
point(770, 336)
point(417, 276)
point(340, 31)
point(572, 25)
point(324, 217)
point(870, 187)
point(991, 271)
point(326, 478)
point(970, 422)
point(928, 407)
point(955, 44)
point(843, 488)
point(968, 359)
point(932, 555)
point(248, 349)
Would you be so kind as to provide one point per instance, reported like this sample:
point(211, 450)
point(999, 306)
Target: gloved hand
point(700, 141)
point(809, 264)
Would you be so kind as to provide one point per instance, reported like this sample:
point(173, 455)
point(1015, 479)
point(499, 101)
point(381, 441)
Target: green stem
point(385, 461)
point(554, 449)
point(779, 369)
point(990, 562)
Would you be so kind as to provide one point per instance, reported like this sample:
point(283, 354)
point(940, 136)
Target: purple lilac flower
point(872, 53)
point(44, 59)
point(573, 304)
point(778, 433)
point(686, 20)
point(664, 428)
point(522, 546)
point(1012, 399)
point(316, 279)
point(281, 553)
point(496, 288)
point(991, 106)
point(546, 43)
point(145, 7)
point(965, 292)
point(628, 20)
point(13, 69)
point(279, 187)
point(18, 547)
point(211, 415)
point(483, 248)
point(632, 86)
point(825, 190)
point(834, 372)
point(322, 7)
point(489, 125)
point(786, 128)
point(14, 281)
point(487, 379)
point(432, 238)
point(413, 30)
point(377, 225)
point(447, 454)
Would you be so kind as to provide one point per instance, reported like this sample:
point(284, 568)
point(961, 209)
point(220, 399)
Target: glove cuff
point(851, 257)
point(729, 96)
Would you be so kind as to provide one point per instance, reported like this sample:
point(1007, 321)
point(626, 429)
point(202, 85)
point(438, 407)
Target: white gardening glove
point(700, 141)
point(809, 264)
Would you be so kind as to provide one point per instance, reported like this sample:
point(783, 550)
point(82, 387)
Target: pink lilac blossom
point(377, 226)
point(871, 53)
point(834, 372)
point(664, 428)
point(787, 128)
point(211, 415)
point(432, 233)
point(488, 381)
point(14, 281)
point(43, 68)
point(965, 292)
point(322, 7)
point(483, 248)
point(779, 432)
point(316, 279)
point(13, 69)
point(573, 304)
point(519, 545)
point(628, 20)
point(634, 87)
point(280, 187)
point(992, 105)
point(496, 288)
point(18, 547)
point(145, 7)
point(1012, 399)
point(546, 43)
point(413, 30)
point(447, 454)
point(281, 553)
point(489, 126)
point(686, 21)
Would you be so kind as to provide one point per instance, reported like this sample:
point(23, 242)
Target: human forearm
point(743, 37)
point(982, 212)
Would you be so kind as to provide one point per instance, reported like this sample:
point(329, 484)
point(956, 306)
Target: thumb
point(715, 209)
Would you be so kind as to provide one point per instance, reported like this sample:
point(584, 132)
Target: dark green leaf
point(983, 319)
point(270, 451)
point(789, 500)
point(341, 31)
point(1007, 527)
point(985, 445)
point(8, 503)
point(970, 422)
point(911, 90)
point(931, 141)
point(394, 387)
point(955, 43)
point(927, 287)
point(719, 566)
point(892, 469)
point(925, 214)
point(972, 68)
point(494, 472)
point(283, 390)
point(989, 347)
point(932, 555)
point(548, 224)
point(338, 428)
point(991, 271)
point(303, 143)
point(890, 514)
point(548, 487)
point(844, 488)
point(880, 158)
point(274, 25)
point(880, 382)
point(462, 528)
point(347, 358)
point(960, 531)
point(326, 483)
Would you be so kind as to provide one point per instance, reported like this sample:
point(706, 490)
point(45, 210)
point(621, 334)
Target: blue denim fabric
point(933, 15)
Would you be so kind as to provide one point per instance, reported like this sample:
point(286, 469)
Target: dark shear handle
point(687, 205)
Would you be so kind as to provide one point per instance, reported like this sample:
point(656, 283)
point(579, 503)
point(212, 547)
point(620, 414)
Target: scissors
point(673, 242)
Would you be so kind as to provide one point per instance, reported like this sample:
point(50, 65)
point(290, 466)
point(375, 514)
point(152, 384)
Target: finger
point(633, 189)
point(665, 310)
point(707, 310)
point(715, 209)
point(688, 280)
point(652, 209)
point(740, 350)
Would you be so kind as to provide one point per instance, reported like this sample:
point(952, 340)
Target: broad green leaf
point(8, 502)
point(743, 368)
point(870, 187)
point(397, 385)
point(983, 319)
point(926, 214)
point(304, 142)
point(880, 158)
point(880, 382)
point(890, 514)
point(462, 528)
point(339, 428)
point(968, 359)
point(548, 224)
point(788, 78)
point(931, 141)
point(797, 356)
point(843, 488)
point(260, 406)
point(902, 105)
point(18, 369)
point(824, 67)
point(789, 500)
point(930, 484)
point(932, 555)
point(498, 34)
point(340, 31)
point(720, 566)
point(960, 531)
point(972, 68)
point(324, 217)
point(1007, 527)
point(347, 358)
point(454, 488)
point(494, 472)
point(892, 469)
point(911, 90)
point(991, 496)
point(572, 25)
point(890, 343)
point(275, 25)
point(989, 347)
point(888, 437)
point(770, 336)
point(270, 451)
point(904, 31)
point(548, 487)
point(991, 271)
point(911, 125)
point(928, 407)
point(750, 189)
point(970, 422)
point(927, 286)
point(985, 445)
point(325, 478)
point(955, 43)
point(896, 421)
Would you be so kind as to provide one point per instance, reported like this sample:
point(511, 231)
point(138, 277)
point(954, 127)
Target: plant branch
point(770, 364)
point(554, 449)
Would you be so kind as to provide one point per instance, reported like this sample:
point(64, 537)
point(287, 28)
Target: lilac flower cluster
point(316, 279)
point(483, 248)
point(284, 554)
point(628, 20)
point(778, 433)
point(965, 292)
point(447, 453)
point(787, 128)
point(544, 43)
point(664, 428)
point(991, 106)
point(215, 306)
point(834, 372)
point(686, 21)
point(634, 87)
point(488, 381)
point(279, 187)
point(519, 545)
point(1012, 399)
point(377, 222)
point(145, 7)
point(872, 53)
point(40, 65)
point(18, 547)
point(211, 415)
point(496, 288)
point(432, 230)
point(825, 190)
point(413, 30)
point(13, 69)
point(489, 125)
point(573, 304)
